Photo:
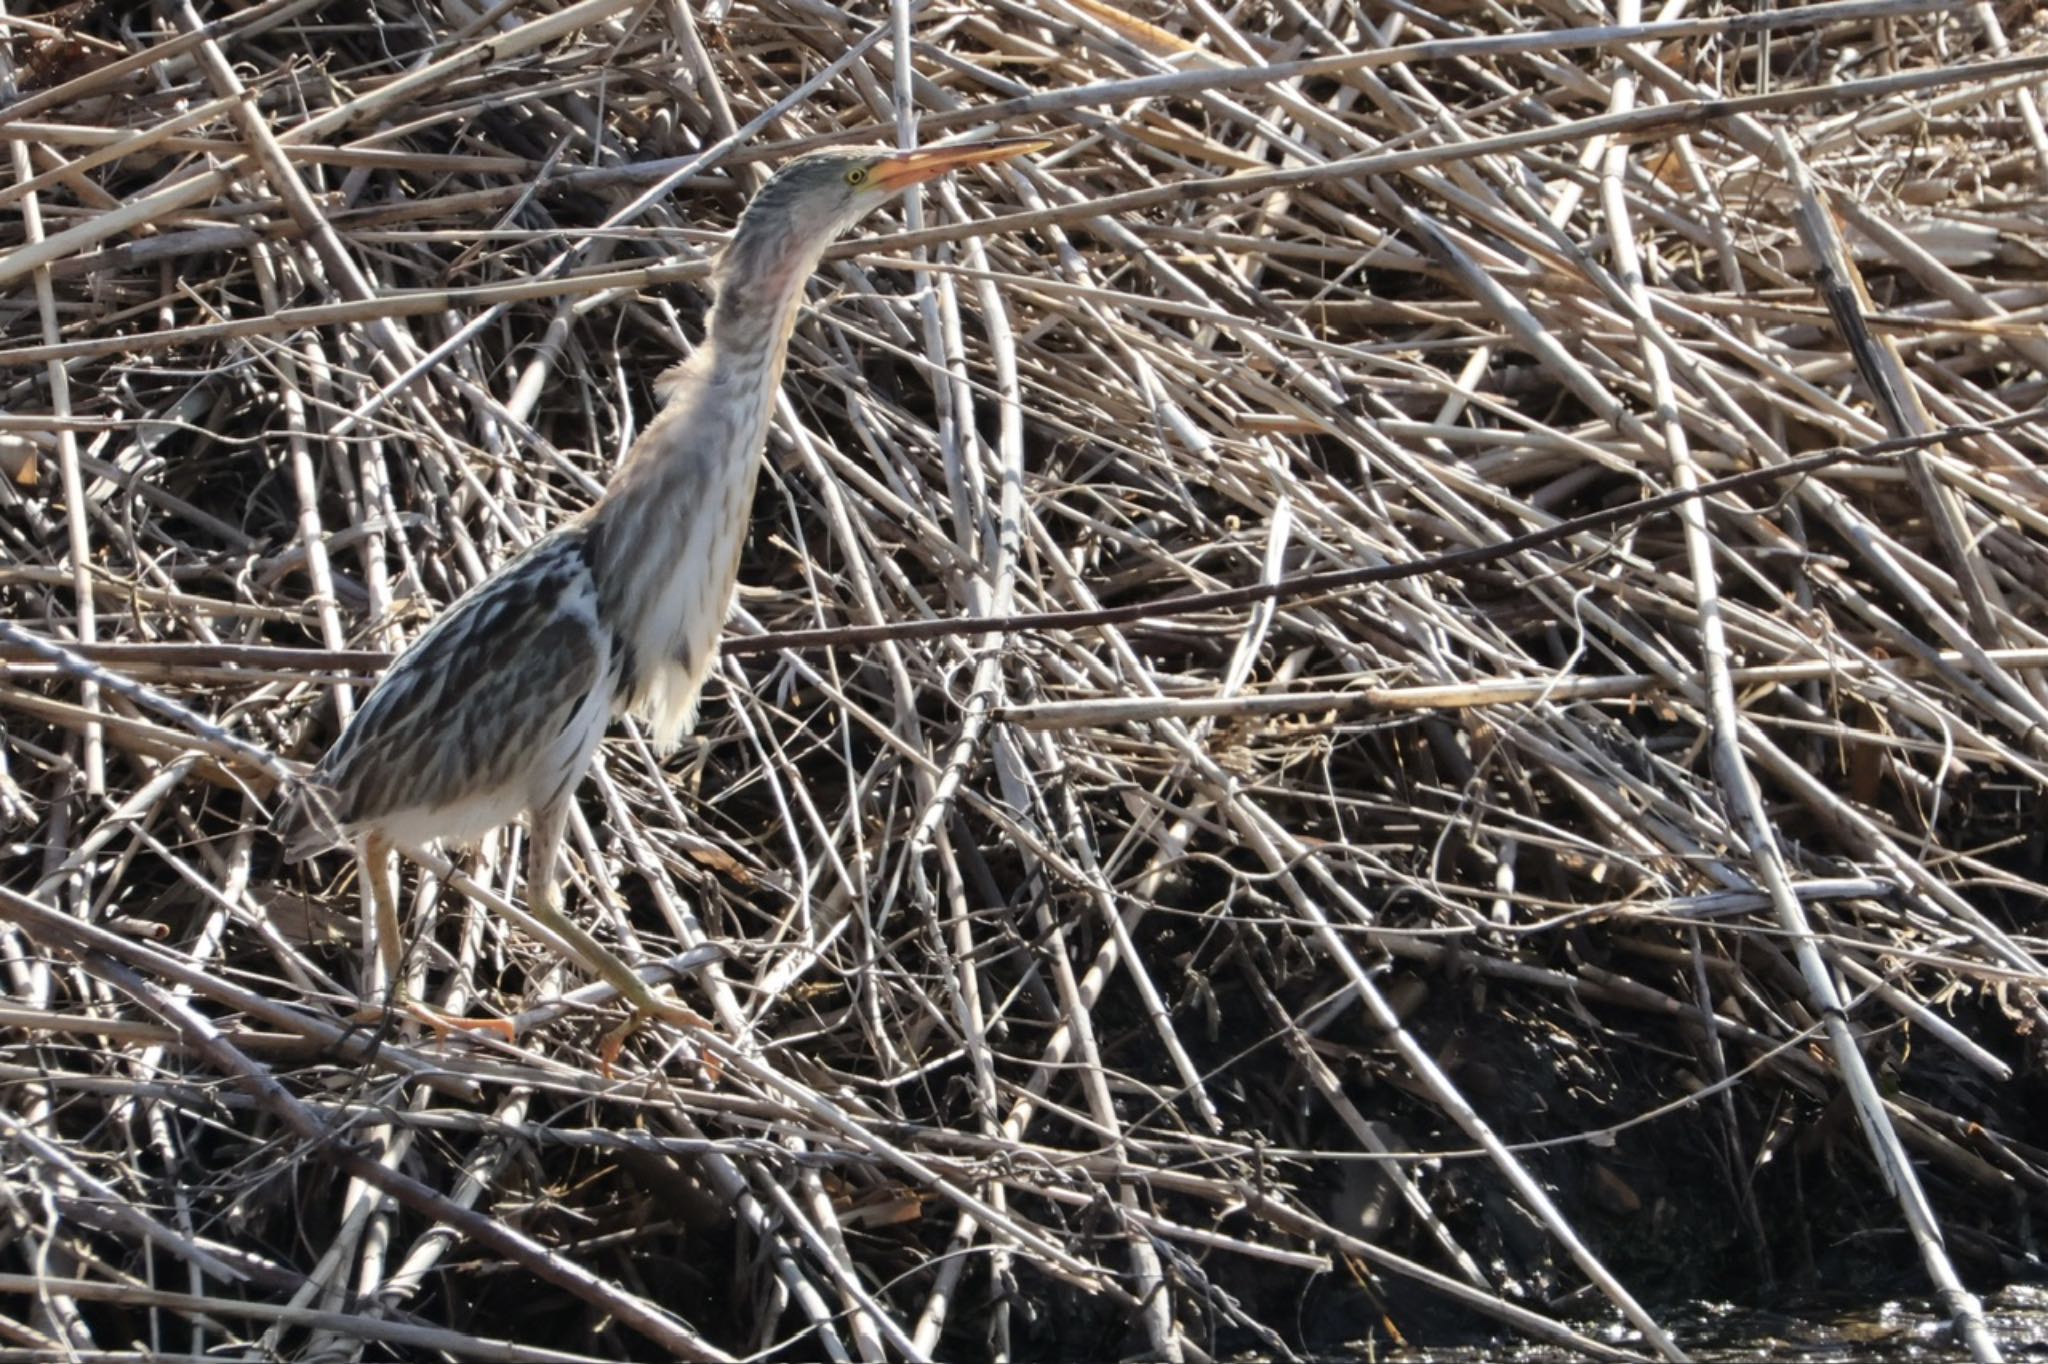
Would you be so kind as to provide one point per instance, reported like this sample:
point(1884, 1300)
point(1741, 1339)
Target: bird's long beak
point(901, 170)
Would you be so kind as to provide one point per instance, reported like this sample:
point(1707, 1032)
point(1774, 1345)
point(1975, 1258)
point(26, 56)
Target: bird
point(496, 709)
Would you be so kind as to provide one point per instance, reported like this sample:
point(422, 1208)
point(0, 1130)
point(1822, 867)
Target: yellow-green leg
point(380, 882)
point(543, 900)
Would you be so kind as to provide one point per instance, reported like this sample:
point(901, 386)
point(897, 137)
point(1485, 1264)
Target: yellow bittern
point(497, 708)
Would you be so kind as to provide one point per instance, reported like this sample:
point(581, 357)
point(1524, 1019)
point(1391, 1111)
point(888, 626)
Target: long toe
point(657, 1006)
point(613, 1042)
point(682, 1015)
point(445, 1025)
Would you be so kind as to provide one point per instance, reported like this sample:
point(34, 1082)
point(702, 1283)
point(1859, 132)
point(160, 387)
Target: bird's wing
point(474, 707)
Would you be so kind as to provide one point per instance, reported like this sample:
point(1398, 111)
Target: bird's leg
point(543, 900)
point(381, 924)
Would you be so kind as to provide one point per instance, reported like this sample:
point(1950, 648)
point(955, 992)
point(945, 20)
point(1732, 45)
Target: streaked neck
point(760, 287)
point(720, 400)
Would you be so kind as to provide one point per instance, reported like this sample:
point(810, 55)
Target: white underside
point(455, 825)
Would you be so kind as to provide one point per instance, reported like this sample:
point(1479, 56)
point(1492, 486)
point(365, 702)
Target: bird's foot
point(440, 1024)
point(649, 1006)
point(444, 1025)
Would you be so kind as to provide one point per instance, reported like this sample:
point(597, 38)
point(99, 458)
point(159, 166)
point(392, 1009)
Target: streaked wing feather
point(473, 706)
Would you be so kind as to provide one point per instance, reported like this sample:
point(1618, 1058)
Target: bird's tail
point(307, 822)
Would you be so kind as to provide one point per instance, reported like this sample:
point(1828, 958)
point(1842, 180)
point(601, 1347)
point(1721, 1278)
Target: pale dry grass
point(1639, 909)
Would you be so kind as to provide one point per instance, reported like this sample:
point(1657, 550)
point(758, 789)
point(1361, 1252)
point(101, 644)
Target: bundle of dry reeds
point(1587, 904)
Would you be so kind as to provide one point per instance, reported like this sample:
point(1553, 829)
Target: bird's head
point(820, 194)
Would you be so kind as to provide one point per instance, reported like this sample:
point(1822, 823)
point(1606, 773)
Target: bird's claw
point(504, 1029)
point(440, 1024)
point(636, 1017)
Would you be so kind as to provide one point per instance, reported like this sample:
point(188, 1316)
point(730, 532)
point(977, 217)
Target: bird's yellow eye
point(857, 176)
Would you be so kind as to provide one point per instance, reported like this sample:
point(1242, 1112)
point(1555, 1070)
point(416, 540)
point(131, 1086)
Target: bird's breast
point(667, 567)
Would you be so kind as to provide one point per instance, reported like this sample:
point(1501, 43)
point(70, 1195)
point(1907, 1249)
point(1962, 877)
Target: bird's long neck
point(760, 283)
point(719, 401)
point(664, 541)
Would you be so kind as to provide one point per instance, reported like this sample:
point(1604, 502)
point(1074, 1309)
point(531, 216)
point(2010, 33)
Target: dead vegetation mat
point(1514, 947)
